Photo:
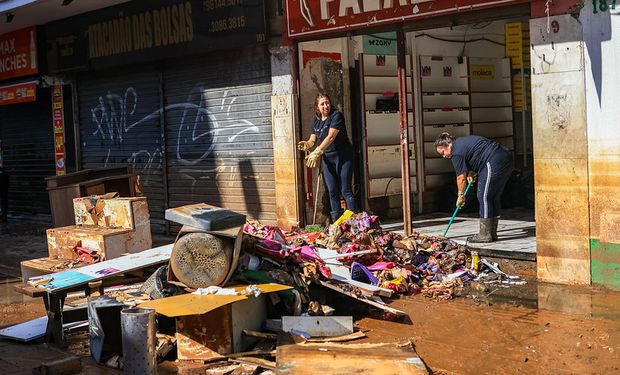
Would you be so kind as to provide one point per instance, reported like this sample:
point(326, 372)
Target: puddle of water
point(590, 301)
point(8, 295)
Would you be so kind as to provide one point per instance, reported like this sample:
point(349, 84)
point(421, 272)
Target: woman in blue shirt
point(493, 163)
point(329, 131)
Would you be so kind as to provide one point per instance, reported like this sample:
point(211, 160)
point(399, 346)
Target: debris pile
point(233, 293)
point(418, 264)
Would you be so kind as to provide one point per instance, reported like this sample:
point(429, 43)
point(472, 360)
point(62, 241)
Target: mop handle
point(456, 210)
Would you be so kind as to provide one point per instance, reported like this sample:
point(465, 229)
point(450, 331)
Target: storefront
point(28, 140)
point(462, 69)
point(181, 90)
point(467, 67)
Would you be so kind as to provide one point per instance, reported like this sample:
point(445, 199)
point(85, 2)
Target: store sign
point(310, 17)
point(141, 31)
point(18, 93)
point(380, 44)
point(18, 53)
point(481, 72)
point(58, 119)
point(514, 44)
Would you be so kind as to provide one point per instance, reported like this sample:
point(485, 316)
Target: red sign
point(19, 93)
point(311, 17)
point(59, 129)
point(18, 53)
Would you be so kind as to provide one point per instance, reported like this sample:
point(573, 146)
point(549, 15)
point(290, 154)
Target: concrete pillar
point(284, 125)
point(560, 150)
point(602, 82)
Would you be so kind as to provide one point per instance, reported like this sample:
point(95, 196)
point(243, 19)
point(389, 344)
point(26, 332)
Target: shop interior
point(469, 79)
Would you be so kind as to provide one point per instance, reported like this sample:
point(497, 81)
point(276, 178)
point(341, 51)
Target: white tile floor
point(516, 231)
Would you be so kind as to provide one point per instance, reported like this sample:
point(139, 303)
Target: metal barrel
point(139, 341)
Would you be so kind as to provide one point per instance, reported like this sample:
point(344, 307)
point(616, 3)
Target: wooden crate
point(128, 213)
point(220, 331)
point(108, 242)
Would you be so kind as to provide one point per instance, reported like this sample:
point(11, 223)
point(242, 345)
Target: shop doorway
point(471, 79)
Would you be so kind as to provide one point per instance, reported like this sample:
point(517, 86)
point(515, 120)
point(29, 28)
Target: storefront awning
point(305, 18)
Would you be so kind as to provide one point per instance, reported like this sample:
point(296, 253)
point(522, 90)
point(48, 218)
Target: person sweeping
point(492, 163)
point(329, 131)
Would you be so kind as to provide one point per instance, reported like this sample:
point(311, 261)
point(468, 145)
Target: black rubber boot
point(494, 228)
point(484, 236)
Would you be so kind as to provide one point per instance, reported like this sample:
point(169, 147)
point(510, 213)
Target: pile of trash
point(418, 264)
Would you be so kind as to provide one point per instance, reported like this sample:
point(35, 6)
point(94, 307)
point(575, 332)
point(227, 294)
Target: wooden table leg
point(54, 303)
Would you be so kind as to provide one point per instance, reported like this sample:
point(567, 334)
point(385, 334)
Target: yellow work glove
point(314, 156)
point(471, 177)
point(460, 200)
point(305, 145)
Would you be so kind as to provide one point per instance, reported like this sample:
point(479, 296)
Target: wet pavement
point(533, 329)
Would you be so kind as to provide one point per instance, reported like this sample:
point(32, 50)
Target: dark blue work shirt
point(472, 152)
point(320, 128)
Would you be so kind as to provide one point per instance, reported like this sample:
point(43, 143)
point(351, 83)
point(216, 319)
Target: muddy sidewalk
point(563, 335)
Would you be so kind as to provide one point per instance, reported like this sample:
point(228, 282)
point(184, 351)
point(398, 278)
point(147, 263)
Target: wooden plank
point(64, 280)
point(352, 336)
point(269, 365)
point(325, 326)
point(260, 335)
point(329, 358)
point(383, 307)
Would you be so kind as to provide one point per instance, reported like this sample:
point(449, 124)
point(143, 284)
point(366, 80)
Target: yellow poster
point(482, 72)
point(514, 44)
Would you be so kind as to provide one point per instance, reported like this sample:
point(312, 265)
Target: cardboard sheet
point(192, 304)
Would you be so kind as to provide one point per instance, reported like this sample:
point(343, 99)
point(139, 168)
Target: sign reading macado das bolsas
point(141, 31)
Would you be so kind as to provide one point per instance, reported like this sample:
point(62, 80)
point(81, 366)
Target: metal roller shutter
point(28, 150)
point(120, 123)
point(218, 130)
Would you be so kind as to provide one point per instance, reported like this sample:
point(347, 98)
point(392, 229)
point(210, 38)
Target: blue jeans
point(338, 174)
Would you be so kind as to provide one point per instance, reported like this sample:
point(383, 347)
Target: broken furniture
point(106, 228)
point(63, 189)
point(53, 288)
point(207, 248)
point(210, 326)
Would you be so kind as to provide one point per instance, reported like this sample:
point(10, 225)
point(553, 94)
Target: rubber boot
point(494, 228)
point(484, 236)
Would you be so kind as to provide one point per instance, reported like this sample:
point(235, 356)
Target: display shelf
point(382, 127)
point(446, 107)
point(384, 161)
point(491, 99)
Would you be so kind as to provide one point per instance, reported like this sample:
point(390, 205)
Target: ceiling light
point(9, 17)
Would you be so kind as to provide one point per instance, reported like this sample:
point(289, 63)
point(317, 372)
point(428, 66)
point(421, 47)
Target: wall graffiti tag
point(196, 127)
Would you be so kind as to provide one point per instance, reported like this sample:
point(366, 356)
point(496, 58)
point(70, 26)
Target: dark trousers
point(491, 182)
point(338, 174)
